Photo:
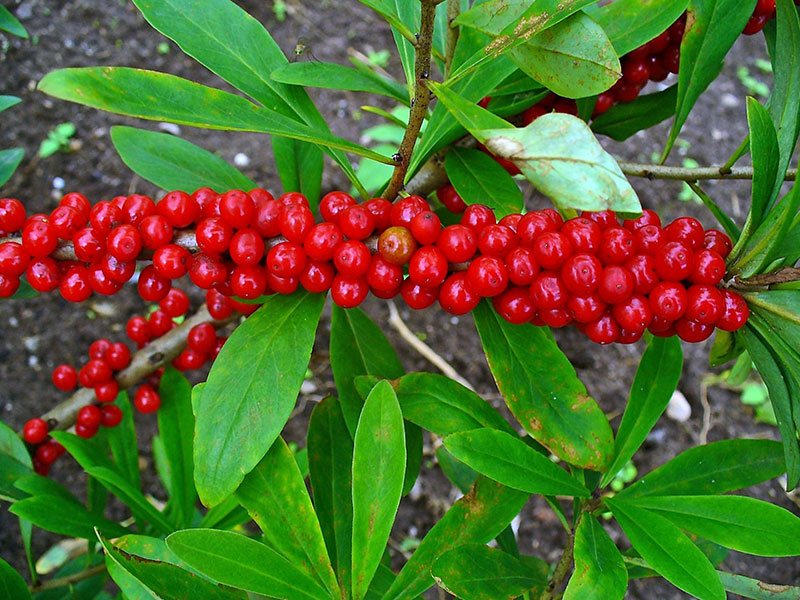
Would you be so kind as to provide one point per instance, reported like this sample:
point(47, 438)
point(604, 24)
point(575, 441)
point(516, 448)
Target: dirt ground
point(37, 335)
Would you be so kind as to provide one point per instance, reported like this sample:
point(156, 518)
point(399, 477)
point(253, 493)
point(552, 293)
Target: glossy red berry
point(736, 312)
point(207, 272)
point(13, 259)
point(175, 303)
point(286, 260)
point(12, 215)
point(404, 210)
point(351, 259)
point(65, 377)
point(581, 274)
point(674, 261)
point(296, 222)
point(584, 234)
point(691, 331)
point(709, 268)
point(219, 306)
point(426, 227)
point(458, 243)
point(356, 222)
point(116, 270)
point(66, 221)
point(604, 102)
point(179, 208)
point(152, 286)
point(522, 266)
point(75, 286)
point(317, 276)
point(322, 240)
point(636, 70)
point(9, 284)
point(334, 203)
point(111, 415)
point(643, 269)
point(548, 291)
point(586, 309)
point(138, 330)
point(428, 267)
point(77, 201)
point(172, 261)
point(136, 207)
point(237, 209)
point(551, 250)
point(155, 231)
point(106, 391)
point(347, 292)
point(279, 285)
point(514, 305)
point(604, 330)
point(648, 217)
point(118, 356)
point(39, 238)
point(417, 296)
point(159, 323)
point(124, 243)
point(603, 218)
point(213, 235)
point(89, 245)
point(456, 296)
point(267, 218)
point(478, 216)
point(89, 416)
point(633, 314)
point(718, 242)
point(146, 399)
point(290, 199)
point(534, 224)
point(448, 196)
point(616, 246)
point(668, 300)
point(686, 230)
point(248, 281)
point(755, 24)
point(705, 304)
point(35, 431)
point(383, 275)
point(381, 209)
point(616, 284)
point(496, 240)
point(247, 247)
point(43, 274)
point(202, 337)
point(487, 276)
point(397, 245)
point(649, 239)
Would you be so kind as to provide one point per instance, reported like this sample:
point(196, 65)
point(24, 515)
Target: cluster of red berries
point(612, 281)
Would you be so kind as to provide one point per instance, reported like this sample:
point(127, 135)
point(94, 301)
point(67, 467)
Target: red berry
point(351, 259)
point(219, 307)
point(648, 217)
point(458, 243)
point(151, 285)
point(117, 270)
point(383, 275)
point(616, 246)
point(604, 102)
point(172, 261)
point(551, 250)
point(159, 323)
point(478, 216)
point(635, 70)
point(104, 216)
point(448, 196)
point(84, 431)
point(89, 245)
point(65, 377)
point(765, 7)
point(146, 399)
point(77, 201)
point(189, 360)
point(9, 284)
point(555, 317)
point(584, 234)
point(111, 415)
point(381, 209)
point(456, 296)
point(89, 416)
point(317, 276)
point(356, 222)
point(754, 24)
point(138, 330)
point(616, 284)
point(12, 215)
point(634, 314)
point(674, 261)
point(291, 199)
point(100, 282)
point(322, 240)
point(99, 348)
point(66, 221)
point(626, 91)
point(718, 242)
point(39, 238)
point(124, 243)
point(548, 291)
point(533, 113)
point(106, 391)
point(213, 235)
point(604, 330)
point(426, 227)
point(136, 207)
point(659, 43)
point(405, 209)
point(202, 337)
point(247, 247)
point(13, 259)
point(347, 292)
point(522, 266)
point(686, 230)
point(286, 260)
point(267, 219)
point(691, 331)
point(658, 72)
point(155, 231)
point(220, 340)
point(35, 431)
point(207, 272)
point(487, 276)
point(709, 268)
point(334, 203)
point(534, 224)
point(417, 296)
point(249, 281)
point(736, 312)
point(668, 300)
point(118, 356)
point(497, 240)
point(179, 208)
point(629, 337)
point(643, 269)
point(705, 304)
point(428, 267)
point(604, 218)
point(671, 59)
point(649, 239)
point(98, 371)
point(237, 208)
point(514, 305)
point(175, 303)
point(397, 245)
point(581, 274)
point(280, 285)
point(296, 222)
point(43, 274)
point(586, 309)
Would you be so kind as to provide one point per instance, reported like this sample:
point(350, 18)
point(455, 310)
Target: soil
point(39, 334)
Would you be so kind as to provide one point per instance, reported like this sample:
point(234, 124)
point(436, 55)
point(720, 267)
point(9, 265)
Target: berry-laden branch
point(419, 104)
point(687, 174)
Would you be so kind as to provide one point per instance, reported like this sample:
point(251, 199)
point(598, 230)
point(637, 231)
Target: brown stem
point(453, 10)
point(144, 362)
point(60, 582)
point(764, 280)
point(562, 569)
point(686, 174)
point(419, 104)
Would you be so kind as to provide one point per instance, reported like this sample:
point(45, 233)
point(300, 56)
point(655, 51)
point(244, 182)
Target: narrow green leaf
point(471, 116)
point(459, 474)
point(12, 444)
point(543, 392)
point(8, 101)
point(476, 518)
point(173, 163)
point(599, 573)
point(573, 58)
point(11, 470)
point(478, 179)
point(668, 551)
point(228, 511)
point(628, 118)
point(9, 161)
point(300, 168)
point(561, 157)
point(766, 155)
point(87, 588)
point(711, 28)
point(358, 347)
point(122, 441)
point(35, 485)
point(251, 391)
point(414, 449)
point(715, 468)
point(656, 379)
point(632, 23)
point(63, 516)
point(12, 585)
point(176, 429)
point(477, 572)
point(330, 462)
point(510, 461)
point(162, 97)
point(9, 23)
point(332, 76)
point(743, 524)
point(379, 455)
point(161, 579)
point(275, 495)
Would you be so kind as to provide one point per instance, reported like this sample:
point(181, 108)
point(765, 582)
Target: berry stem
point(764, 280)
point(144, 362)
point(686, 174)
point(419, 104)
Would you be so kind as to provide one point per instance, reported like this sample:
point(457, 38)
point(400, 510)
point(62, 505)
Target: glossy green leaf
point(632, 23)
point(477, 572)
point(228, 510)
point(12, 444)
point(300, 168)
point(561, 157)
point(711, 28)
point(330, 463)
point(9, 161)
point(443, 406)
point(87, 588)
point(12, 585)
point(459, 474)
point(510, 461)
point(476, 518)
point(493, 16)
point(743, 524)
point(35, 484)
point(163, 97)
point(8, 101)
point(275, 495)
point(379, 455)
point(251, 391)
point(668, 551)
point(543, 392)
point(765, 154)
point(656, 379)
point(471, 116)
point(574, 58)
point(628, 118)
point(332, 76)
point(60, 515)
point(414, 450)
point(478, 179)
point(122, 441)
point(358, 347)
point(161, 580)
point(715, 468)
point(25, 291)
point(11, 470)
point(9, 23)
point(176, 429)
point(173, 163)
point(599, 573)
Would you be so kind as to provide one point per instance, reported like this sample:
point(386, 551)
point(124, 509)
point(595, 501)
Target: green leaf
point(543, 392)
point(599, 573)
point(478, 179)
point(12, 585)
point(330, 463)
point(711, 28)
point(11, 470)
point(9, 161)
point(163, 97)
point(172, 163)
point(300, 167)
point(8, 101)
point(12, 444)
point(176, 430)
point(561, 157)
point(337, 77)
point(632, 23)
point(471, 116)
point(510, 461)
point(60, 515)
point(25, 291)
point(574, 58)
point(379, 455)
point(476, 518)
point(9, 23)
point(160, 580)
point(765, 153)
point(122, 441)
point(87, 588)
point(275, 495)
point(628, 118)
point(715, 468)
point(477, 572)
point(668, 551)
point(743, 524)
point(251, 391)
point(358, 347)
point(656, 379)
point(443, 406)
point(459, 474)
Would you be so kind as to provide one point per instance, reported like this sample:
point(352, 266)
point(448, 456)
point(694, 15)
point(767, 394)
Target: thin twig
point(59, 582)
point(703, 438)
point(560, 573)
point(737, 154)
point(419, 104)
point(686, 174)
point(453, 10)
point(426, 351)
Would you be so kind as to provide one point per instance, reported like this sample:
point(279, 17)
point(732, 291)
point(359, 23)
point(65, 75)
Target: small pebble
point(171, 128)
point(241, 160)
point(58, 183)
point(678, 408)
point(308, 387)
